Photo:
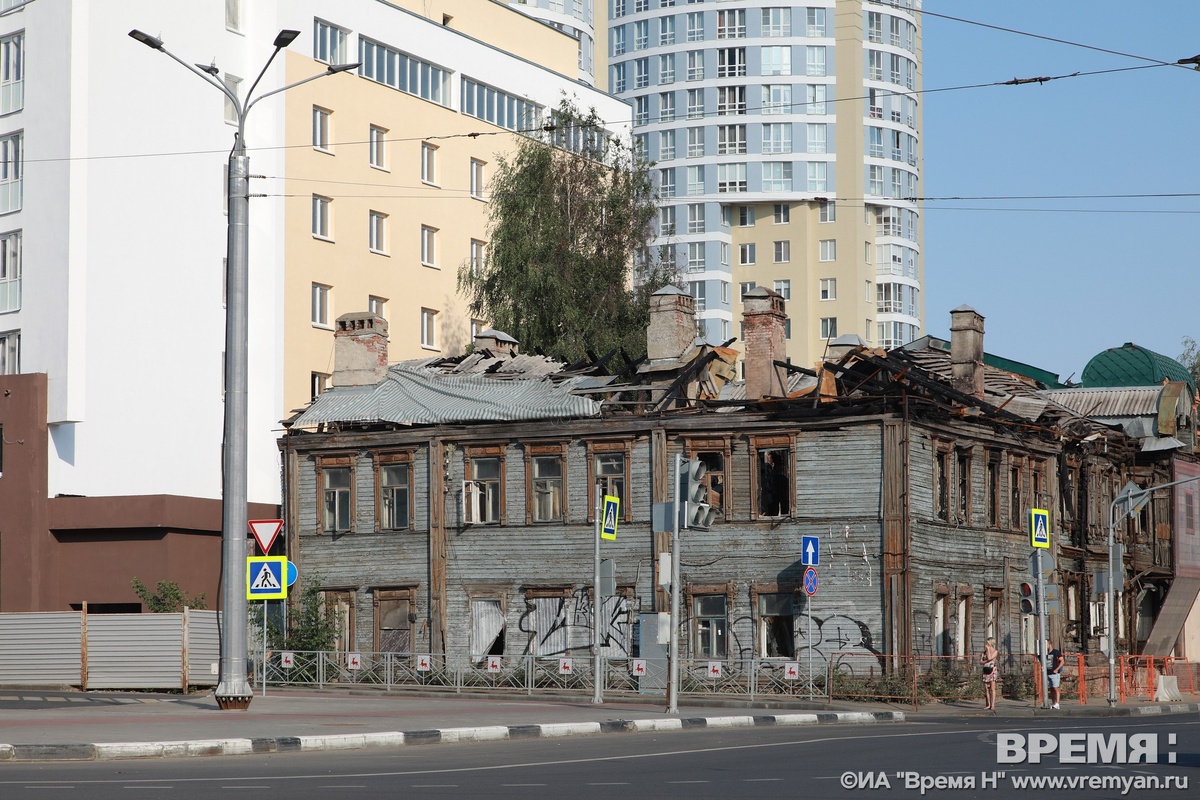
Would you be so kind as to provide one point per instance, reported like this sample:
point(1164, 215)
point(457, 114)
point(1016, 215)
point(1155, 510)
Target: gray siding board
point(40, 648)
point(135, 651)
point(204, 647)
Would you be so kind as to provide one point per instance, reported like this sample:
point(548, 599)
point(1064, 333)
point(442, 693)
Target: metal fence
point(752, 678)
point(109, 651)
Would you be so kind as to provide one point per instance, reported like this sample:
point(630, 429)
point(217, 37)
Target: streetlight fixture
point(233, 690)
point(1131, 499)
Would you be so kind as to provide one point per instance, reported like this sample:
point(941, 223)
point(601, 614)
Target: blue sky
point(1056, 280)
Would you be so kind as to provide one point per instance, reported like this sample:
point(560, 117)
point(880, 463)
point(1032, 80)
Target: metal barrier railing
point(843, 676)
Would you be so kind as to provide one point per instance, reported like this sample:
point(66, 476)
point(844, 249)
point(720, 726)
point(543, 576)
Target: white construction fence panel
point(40, 649)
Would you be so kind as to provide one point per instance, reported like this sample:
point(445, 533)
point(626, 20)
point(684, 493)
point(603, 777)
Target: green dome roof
point(1131, 365)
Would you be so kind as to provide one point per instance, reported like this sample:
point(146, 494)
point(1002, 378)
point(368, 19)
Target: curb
point(112, 751)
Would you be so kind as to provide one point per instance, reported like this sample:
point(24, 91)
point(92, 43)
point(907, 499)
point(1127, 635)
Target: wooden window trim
point(380, 594)
point(723, 445)
point(964, 484)
point(327, 461)
point(387, 458)
point(560, 449)
point(595, 448)
point(690, 593)
point(491, 450)
point(772, 442)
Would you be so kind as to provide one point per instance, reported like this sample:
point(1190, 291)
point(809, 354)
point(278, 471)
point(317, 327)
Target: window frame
point(429, 164)
point(757, 593)
point(322, 217)
point(472, 456)
point(383, 460)
point(765, 443)
point(560, 451)
point(429, 246)
point(478, 178)
point(325, 464)
point(321, 305)
point(722, 446)
point(404, 595)
point(377, 147)
point(782, 251)
point(597, 448)
point(322, 122)
point(377, 239)
point(693, 594)
point(429, 332)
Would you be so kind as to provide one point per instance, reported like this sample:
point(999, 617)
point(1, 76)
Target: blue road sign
point(810, 551)
point(292, 573)
point(265, 577)
point(1039, 527)
point(612, 506)
point(810, 581)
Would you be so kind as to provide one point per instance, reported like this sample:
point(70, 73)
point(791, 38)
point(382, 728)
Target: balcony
point(10, 294)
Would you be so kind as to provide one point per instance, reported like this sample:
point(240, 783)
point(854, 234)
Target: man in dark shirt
point(1054, 665)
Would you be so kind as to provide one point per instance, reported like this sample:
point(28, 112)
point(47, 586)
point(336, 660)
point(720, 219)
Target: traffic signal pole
point(1040, 588)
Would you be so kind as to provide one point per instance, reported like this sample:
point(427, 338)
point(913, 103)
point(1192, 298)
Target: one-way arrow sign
point(810, 551)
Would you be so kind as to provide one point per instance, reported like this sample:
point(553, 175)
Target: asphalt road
point(741, 763)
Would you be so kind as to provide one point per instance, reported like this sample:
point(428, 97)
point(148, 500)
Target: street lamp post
point(1130, 500)
point(233, 690)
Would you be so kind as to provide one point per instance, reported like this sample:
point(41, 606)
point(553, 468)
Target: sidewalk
point(58, 726)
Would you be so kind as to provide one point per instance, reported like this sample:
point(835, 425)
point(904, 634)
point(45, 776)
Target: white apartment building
point(786, 140)
point(113, 239)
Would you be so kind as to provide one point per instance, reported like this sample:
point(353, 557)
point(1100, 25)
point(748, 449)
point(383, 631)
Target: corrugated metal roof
point(1118, 401)
point(421, 395)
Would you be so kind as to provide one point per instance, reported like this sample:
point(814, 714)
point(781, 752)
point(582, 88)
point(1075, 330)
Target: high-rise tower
point(786, 142)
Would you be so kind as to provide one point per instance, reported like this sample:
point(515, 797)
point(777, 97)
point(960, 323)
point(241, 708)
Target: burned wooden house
point(448, 505)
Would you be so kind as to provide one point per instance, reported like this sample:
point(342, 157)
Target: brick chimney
point(763, 320)
point(497, 342)
point(672, 327)
point(360, 349)
point(966, 351)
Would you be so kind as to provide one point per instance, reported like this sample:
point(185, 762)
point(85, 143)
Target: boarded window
point(339, 607)
point(393, 622)
point(547, 621)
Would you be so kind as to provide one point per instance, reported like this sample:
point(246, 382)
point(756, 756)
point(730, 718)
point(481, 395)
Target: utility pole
point(233, 690)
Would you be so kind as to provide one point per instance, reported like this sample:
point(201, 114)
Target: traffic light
point(697, 513)
point(1028, 599)
point(1050, 593)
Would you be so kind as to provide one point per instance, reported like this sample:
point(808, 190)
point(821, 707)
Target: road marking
point(753, 780)
point(517, 785)
point(147, 787)
point(608, 784)
point(687, 781)
point(435, 786)
point(343, 786)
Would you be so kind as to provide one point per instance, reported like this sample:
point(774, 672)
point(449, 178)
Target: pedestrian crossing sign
point(612, 507)
point(1039, 527)
point(266, 578)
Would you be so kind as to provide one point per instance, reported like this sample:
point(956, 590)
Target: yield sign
point(265, 531)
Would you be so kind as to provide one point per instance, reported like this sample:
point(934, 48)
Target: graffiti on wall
point(840, 639)
point(560, 625)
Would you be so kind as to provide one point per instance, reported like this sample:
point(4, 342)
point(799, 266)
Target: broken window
point(610, 470)
point(482, 491)
point(1015, 479)
point(393, 621)
point(776, 626)
point(339, 609)
point(487, 629)
point(714, 479)
point(941, 624)
point(942, 485)
point(774, 482)
point(336, 483)
point(711, 626)
point(993, 490)
point(962, 633)
point(963, 464)
point(547, 488)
